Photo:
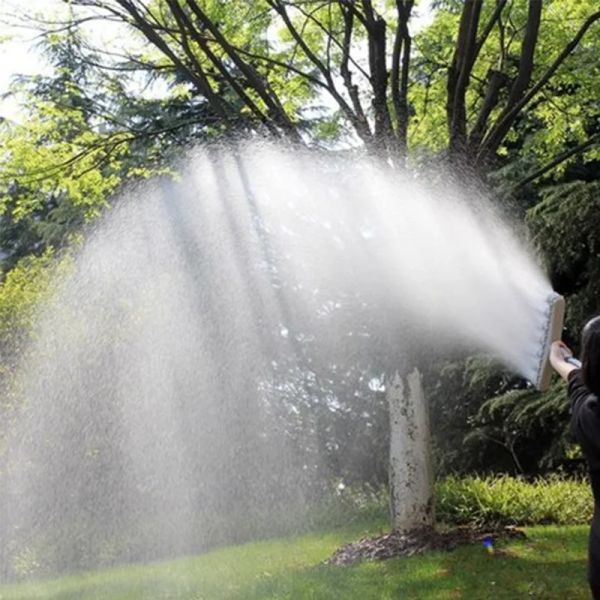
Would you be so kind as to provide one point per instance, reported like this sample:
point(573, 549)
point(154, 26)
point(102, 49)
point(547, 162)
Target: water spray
point(201, 313)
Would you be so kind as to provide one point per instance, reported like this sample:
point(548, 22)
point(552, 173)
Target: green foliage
point(565, 226)
point(567, 110)
point(21, 291)
point(488, 501)
point(487, 419)
point(563, 114)
point(456, 390)
point(427, 94)
point(24, 289)
point(86, 134)
point(530, 427)
point(56, 172)
point(485, 501)
point(57, 169)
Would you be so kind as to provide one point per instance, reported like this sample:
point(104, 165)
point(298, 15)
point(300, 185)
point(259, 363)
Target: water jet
point(200, 312)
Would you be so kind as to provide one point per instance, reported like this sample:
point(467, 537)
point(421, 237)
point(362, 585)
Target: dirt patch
point(399, 543)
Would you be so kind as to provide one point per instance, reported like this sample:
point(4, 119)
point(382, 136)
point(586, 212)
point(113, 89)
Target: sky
point(20, 55)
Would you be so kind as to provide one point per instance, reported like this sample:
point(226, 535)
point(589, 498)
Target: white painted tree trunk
point(411, 472)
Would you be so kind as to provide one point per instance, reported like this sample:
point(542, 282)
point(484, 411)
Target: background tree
point(477, 68)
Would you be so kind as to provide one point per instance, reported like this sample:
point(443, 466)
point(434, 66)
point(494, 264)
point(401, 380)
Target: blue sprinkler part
point(488, 544)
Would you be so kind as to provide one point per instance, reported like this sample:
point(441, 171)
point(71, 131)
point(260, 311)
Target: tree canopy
point(484, 78)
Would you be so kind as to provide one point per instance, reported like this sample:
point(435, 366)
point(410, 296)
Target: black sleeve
point(585, 419)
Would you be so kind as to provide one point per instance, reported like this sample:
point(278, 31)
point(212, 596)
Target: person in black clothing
point(584, 394)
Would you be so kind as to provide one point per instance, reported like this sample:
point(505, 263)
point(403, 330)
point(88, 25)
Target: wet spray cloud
point(146, 428)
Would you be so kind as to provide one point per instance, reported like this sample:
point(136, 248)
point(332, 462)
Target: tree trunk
point(411, 473)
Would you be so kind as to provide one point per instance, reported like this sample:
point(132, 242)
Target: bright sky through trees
point(20, 39)
point(21, 57)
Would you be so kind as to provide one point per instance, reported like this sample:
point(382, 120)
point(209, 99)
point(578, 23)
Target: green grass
point(550, 564)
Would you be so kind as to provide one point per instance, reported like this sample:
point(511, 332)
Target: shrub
point(472, 500)
point(503, 500)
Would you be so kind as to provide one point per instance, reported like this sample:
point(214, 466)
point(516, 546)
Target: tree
point(489, 64)
point(411, 470)
point(86, 134)
point(57, 170)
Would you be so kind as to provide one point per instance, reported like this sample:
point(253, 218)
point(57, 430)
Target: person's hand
point(559, 352)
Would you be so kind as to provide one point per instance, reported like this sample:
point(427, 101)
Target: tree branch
point(112, 142)
point(198, 78)
point(279, 7)
point(460, 72)
point(500, 4)
point(399, 78)
point(279, 63)
point(527, 53)
point(376, 33)
point(351, 6)
point(261, 87)
point(185, 24)
point(330, 36)
point(594, 140)
point(496, 81)
point(352, 88)
point(496, 135)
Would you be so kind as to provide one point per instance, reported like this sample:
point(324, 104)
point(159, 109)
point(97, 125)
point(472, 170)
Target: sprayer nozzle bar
point(553, 326)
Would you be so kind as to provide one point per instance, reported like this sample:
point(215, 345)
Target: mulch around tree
point(399, 543)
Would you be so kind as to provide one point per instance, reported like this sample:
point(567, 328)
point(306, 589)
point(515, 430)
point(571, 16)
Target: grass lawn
point(550, 564)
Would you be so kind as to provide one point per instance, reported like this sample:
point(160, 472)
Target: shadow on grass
point(467, 573)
